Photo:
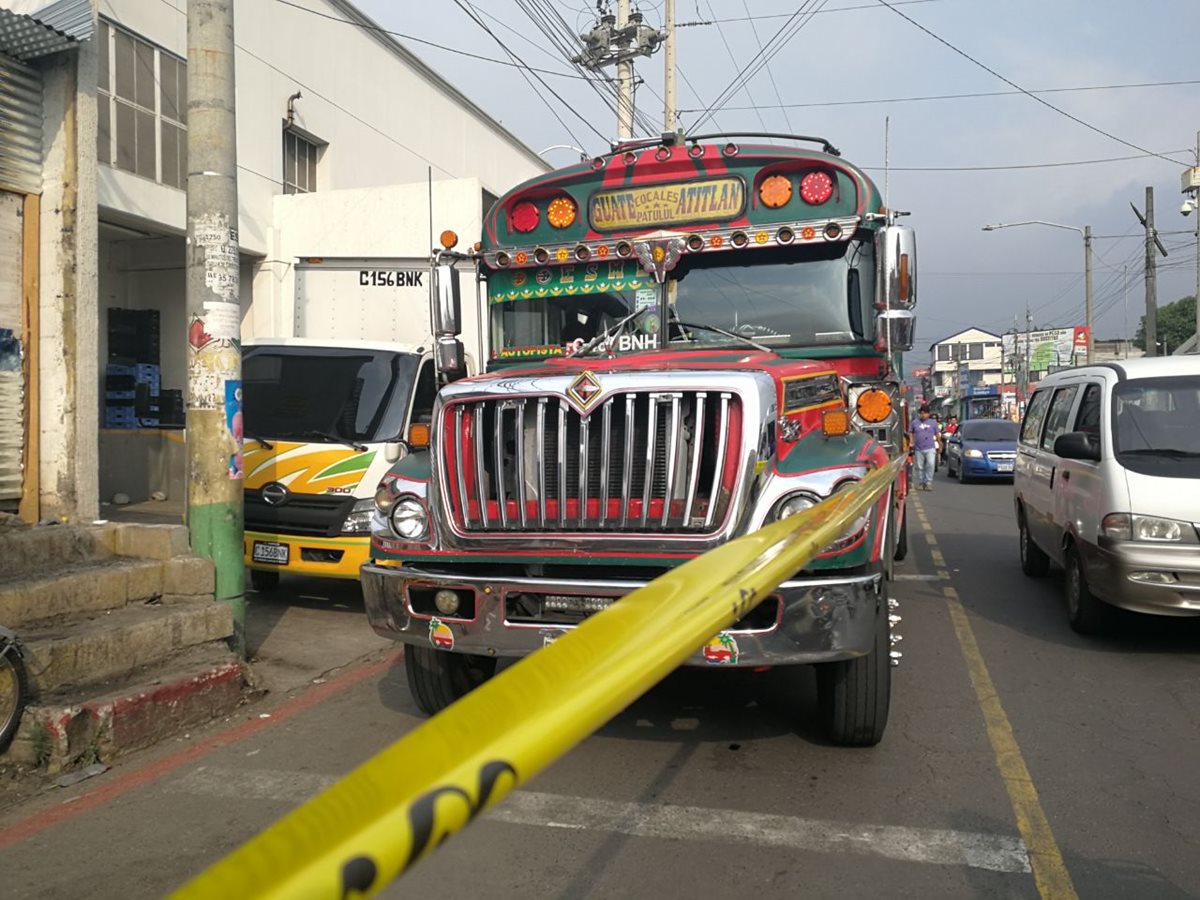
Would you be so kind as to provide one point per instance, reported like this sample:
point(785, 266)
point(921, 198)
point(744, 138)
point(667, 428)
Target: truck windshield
point(352, 393)
point(803, 297)
point(1155, 425)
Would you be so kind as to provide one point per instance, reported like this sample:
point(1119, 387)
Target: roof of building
point(379, 33)
point(960, 333)
point(59, 26)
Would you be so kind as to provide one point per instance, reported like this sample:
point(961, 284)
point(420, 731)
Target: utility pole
point(1151, 272)
point(1125, 272)
point(1028, 326)
point(619, 40)
point(624, 79)
point(669, 103)
point(1087, 278)
point(214, 376)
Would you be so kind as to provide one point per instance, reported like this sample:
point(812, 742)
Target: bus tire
point(437, 678)
point(854, 694)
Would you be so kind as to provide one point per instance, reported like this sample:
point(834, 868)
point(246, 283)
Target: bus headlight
point(358, 520)
point(409, 518)
point(792, 504)
point(384, 500)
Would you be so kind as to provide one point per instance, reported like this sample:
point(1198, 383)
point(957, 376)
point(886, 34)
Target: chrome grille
point(640, 461)
point(1002, 455)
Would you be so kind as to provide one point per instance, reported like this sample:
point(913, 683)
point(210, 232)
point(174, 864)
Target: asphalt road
point(1021, 761)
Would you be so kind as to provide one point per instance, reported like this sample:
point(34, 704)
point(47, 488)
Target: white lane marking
point(994, 852)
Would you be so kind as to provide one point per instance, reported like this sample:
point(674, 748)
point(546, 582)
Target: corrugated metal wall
point(20, 127)
point(20, 173)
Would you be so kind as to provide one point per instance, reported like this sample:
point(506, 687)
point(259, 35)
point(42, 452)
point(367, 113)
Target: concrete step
point(28, 551)
point(91, 587)
point(117, 642)
point(195, 686)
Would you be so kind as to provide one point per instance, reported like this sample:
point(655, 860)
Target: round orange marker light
point(449, 239)
point(873, 406)
point(775, 191)
point(561, 212)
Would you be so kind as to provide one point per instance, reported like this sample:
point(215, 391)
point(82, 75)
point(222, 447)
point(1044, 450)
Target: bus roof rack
point(672, 138)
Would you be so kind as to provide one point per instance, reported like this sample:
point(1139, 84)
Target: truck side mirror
point(896, 267)
point(447, 304)
point(450, 357)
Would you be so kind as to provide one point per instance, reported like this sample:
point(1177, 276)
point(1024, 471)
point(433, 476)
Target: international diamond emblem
point(584, 390)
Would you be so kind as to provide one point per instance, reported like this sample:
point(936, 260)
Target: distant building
point(965, 368)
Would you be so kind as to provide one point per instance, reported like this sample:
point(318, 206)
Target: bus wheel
point(437, 678)
point(264, 582)
point(854, 694)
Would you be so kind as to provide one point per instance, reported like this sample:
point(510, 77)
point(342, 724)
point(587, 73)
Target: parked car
point(1108, 486)
point(983, 449)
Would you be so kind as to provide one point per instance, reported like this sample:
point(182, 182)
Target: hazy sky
point(968, 277)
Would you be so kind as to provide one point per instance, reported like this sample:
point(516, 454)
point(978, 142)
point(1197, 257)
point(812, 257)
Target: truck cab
point(324, 420)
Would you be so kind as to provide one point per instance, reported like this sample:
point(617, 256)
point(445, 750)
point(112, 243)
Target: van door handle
point(1066, 476)
point(1052, 470)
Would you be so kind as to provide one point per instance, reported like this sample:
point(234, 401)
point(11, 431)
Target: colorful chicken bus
point(688, 338)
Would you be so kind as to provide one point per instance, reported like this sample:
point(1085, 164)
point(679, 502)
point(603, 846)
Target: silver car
point(1107, 485)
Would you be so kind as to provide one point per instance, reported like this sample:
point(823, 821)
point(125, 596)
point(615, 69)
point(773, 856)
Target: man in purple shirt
point(923, 434)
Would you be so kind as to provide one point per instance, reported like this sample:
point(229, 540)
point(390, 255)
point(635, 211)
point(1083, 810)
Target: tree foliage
point(1176, 323)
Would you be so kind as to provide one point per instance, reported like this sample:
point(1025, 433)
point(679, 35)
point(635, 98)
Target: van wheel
point(264, 582)
point(1085, 611)
point(437, 678)
point(854, 694)
point(1034, 562)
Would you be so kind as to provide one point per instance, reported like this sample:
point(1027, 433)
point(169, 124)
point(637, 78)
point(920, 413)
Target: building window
point(299, 163)
point(943, 352)
point(141, 107)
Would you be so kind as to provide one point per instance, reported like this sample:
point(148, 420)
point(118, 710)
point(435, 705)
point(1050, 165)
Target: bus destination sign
point(660, 205)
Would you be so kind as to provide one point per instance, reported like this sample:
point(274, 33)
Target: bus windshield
point(814, 295)
point(803, 297)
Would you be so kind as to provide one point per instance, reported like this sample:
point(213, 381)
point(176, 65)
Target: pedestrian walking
point(923, 435)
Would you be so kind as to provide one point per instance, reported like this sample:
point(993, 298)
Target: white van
point(1107, 485)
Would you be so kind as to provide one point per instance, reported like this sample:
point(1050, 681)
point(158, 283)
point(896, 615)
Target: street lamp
point(1086, 233)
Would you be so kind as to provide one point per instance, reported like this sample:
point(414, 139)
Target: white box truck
point(327, 411)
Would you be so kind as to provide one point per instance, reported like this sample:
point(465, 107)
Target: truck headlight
point(409, 518)
point(792, 504)
point(358, 521)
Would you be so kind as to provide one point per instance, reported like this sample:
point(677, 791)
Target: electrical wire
point(966, 96)
point(1017, 166)
point(733, 59)
point(770, 73)
point(836, 9)
point(1013, 84)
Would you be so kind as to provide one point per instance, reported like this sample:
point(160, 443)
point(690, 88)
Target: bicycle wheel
point(13, 691)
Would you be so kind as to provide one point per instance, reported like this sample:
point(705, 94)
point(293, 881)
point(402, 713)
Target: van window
point(1154, 425)
point(1034, 416)
point(1058, 416)
point(1088, 419)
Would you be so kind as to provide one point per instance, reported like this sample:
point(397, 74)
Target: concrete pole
point(669, 102)
point(624, 75)
point(214, 380)
point(1196, 194)
point(1151, 279)
point(1087, 279)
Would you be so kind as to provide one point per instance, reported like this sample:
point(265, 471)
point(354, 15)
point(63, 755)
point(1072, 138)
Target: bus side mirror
point(896, 267)
point(393, 451)
point(895, 329)
point(447, 304)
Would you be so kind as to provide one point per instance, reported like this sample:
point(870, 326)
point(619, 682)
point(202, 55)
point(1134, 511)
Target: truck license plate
point(270, 552)
point(1004, 467)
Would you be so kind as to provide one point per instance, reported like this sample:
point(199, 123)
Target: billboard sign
point(1049, 349)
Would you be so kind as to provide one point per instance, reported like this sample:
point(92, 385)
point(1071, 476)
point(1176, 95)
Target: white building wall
point(386, 117)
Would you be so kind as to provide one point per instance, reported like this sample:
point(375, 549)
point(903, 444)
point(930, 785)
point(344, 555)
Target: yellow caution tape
point(356, 837)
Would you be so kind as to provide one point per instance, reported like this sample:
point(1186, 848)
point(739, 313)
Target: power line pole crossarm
point(214, 375)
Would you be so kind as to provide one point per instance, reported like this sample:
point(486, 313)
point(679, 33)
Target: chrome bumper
point(1160, 580)
point(818, 619)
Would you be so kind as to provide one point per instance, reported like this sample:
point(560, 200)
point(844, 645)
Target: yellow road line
point(1049, 871)
point(930, 539)
point(938, 559)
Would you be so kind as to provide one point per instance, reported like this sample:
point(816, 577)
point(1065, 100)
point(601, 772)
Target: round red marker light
point(816, 188)
point(524, 217)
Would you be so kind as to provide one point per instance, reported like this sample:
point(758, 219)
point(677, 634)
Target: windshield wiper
point(611, 331)
point(336, 438)
point(737, 337)
point(262, 442)
point(1169, 452)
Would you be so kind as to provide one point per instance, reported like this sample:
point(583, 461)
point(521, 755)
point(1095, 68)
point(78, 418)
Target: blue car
point(982, 449)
